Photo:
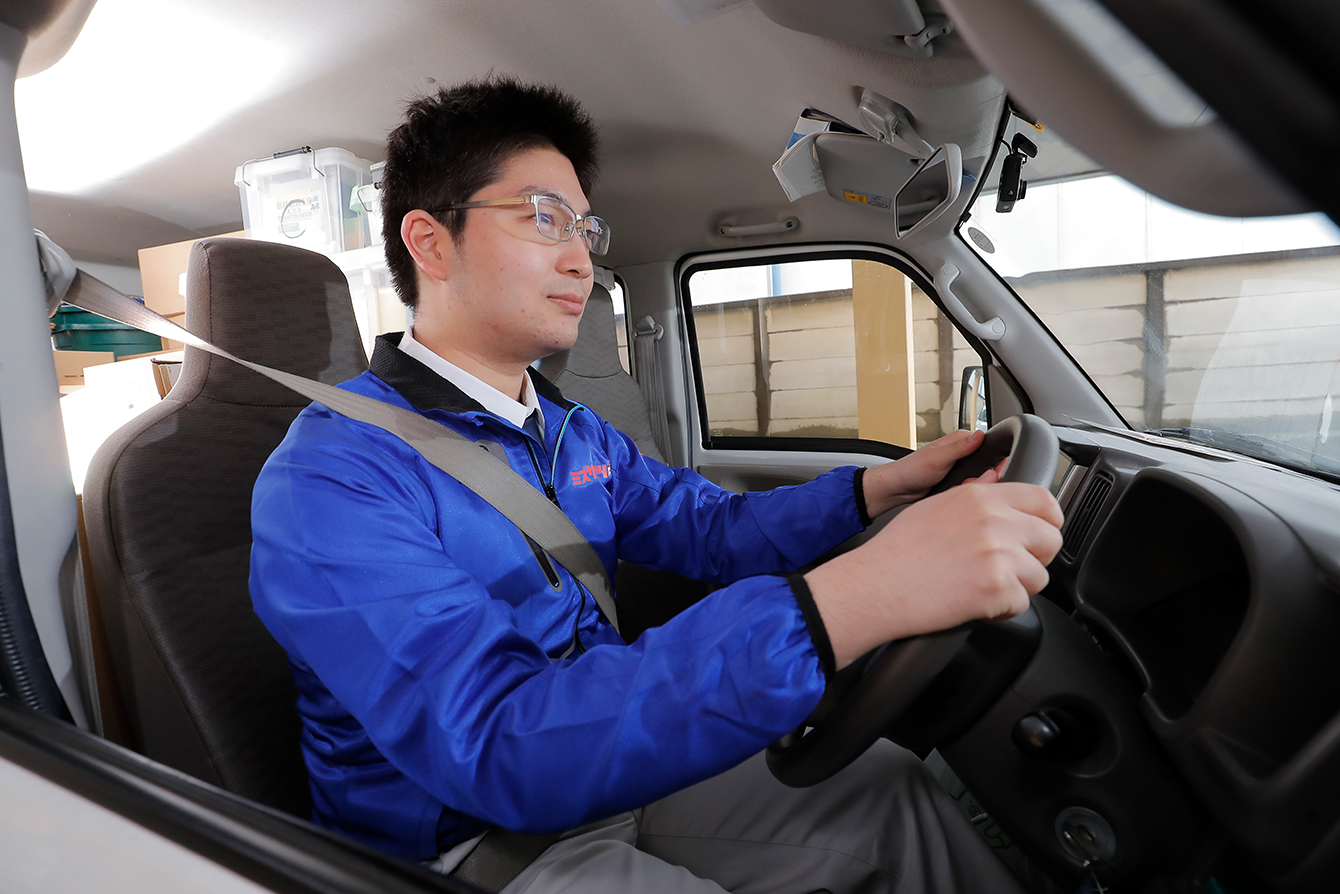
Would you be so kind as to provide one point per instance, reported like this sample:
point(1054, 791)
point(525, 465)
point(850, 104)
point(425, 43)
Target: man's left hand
point(911, 478)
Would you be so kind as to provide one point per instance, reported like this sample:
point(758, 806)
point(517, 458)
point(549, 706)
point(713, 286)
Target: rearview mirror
point(930, 191)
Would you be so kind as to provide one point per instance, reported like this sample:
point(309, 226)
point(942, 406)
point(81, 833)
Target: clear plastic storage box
point(304, 198)
point(376, 306)
point(368, 200)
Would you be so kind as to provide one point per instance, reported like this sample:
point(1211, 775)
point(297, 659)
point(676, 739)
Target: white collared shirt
point(493, 400)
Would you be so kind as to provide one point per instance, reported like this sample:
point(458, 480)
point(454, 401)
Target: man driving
point(453, 678)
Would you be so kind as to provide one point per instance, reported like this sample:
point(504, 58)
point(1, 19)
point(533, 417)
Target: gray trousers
point(882, 824)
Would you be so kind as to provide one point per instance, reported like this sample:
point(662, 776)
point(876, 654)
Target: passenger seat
point(591, 374)
point(167, 503)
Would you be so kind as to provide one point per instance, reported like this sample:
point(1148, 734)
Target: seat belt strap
point(475, 468)
point(645, 336)
point(500, 857)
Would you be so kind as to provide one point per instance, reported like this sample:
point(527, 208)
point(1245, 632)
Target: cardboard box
point(180, 320)
point(114, 394)
point(167, 369)
point(162, 271)
point(70, 366)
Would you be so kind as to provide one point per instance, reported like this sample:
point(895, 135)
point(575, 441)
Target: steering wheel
point(865, 698)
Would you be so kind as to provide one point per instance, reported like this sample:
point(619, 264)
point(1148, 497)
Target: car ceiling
point(691, 119)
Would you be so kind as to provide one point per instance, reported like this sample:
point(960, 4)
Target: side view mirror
point(972, 410)
point(930, 191)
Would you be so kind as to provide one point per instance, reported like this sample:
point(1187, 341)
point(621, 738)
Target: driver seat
point(167, 504)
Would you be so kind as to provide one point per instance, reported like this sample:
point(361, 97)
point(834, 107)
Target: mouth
point(572, 302)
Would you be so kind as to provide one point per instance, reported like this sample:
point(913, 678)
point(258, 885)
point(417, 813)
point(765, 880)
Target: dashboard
point(1191, 657)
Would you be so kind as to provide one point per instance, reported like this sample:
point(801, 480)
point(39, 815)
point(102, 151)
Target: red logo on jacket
point(588, 474)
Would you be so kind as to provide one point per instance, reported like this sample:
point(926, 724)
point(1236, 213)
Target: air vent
point(1088, 503)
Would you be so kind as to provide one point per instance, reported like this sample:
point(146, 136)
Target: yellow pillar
point(885, 383)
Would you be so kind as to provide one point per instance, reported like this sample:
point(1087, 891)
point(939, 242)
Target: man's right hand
point(976, 551)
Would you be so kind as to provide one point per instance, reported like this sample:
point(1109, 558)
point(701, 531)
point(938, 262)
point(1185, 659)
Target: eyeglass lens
point(557, 221)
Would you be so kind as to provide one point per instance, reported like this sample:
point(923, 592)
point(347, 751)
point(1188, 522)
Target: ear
point(429, 244)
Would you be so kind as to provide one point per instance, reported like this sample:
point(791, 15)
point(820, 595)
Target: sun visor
point(897, 27)
point(913, 192)
point(1074, 65)
point(863, 170)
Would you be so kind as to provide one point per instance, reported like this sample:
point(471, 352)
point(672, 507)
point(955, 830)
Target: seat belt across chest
point(490, 478)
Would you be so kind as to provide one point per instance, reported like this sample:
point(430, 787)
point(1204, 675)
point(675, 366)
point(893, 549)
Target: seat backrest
point(167, 503)
point(590, 373)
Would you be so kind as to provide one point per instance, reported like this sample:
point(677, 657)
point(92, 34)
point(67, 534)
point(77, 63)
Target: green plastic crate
point(73, 329)
point(122, 342)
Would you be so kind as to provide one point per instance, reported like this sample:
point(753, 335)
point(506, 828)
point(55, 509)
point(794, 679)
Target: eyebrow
point(546, 191)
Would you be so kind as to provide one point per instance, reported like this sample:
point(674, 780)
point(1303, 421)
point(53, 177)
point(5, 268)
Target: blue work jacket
point(425, 630)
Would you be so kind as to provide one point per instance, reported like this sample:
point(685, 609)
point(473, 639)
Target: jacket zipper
point(548, 483)
point(549, 490)
point(562, 430)
point(543, 559)
point(545, 562)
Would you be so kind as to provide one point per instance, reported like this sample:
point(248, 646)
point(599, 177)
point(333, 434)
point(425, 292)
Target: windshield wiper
point(1254, 446)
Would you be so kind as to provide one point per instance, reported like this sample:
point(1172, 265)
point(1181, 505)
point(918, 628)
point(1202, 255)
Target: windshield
point(1218, 330)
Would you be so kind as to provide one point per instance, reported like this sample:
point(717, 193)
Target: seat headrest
point(277, 305)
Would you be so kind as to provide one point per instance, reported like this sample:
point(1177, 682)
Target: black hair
point(453, 143)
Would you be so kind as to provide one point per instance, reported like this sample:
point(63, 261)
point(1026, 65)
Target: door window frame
point(753, 257)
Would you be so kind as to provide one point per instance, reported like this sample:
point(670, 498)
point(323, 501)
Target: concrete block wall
point(812, 365)
point(810, 373)
point(1273, 328)
point(937, 403)
point(799, 375)
point(621, 339)
point(1187, 344)
point(1146, 335)
point(1101, 321)
point(726, 350)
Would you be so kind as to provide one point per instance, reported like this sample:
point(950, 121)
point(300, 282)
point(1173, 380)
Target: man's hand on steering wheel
point(962, 554)
point(911, 478)
point(973, 552)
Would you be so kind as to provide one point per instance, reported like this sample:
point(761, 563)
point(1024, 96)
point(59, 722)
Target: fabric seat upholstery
point(167, 504)
point(591, 373)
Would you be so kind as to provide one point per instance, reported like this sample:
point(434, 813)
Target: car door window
point(620, 324)
point(803, 353)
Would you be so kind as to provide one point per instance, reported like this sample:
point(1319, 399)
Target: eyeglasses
point(554, 220)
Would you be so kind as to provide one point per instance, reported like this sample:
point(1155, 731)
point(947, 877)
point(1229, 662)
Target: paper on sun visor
point(798, 169)
point(688, 13)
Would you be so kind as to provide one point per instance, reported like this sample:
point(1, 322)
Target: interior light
point(144, 77)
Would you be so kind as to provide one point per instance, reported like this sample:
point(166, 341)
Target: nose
point(575, 258)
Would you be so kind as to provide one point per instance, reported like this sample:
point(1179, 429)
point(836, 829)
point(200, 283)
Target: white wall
point(123, 279)
point(1105, 221)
